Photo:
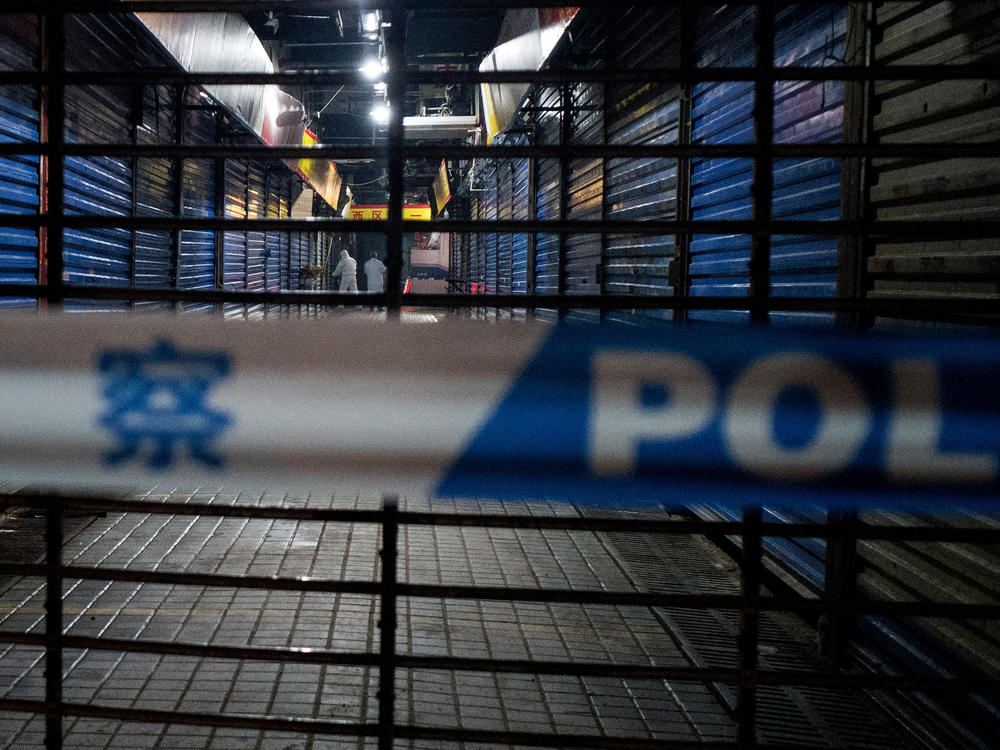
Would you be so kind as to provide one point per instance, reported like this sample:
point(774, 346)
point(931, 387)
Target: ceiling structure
point(344, 40)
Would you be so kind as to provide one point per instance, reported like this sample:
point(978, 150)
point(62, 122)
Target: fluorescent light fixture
point(372, 69)
point(380, 87)
point(370, 21)
point(380, 114)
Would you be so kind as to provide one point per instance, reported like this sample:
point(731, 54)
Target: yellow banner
point(416, 212)
point(442, 190)
point(320, 173)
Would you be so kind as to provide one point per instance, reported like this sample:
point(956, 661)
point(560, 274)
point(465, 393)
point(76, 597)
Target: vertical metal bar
point(387, 624)
point(607, 110)
point(396, 90)
point(532, 215)
point(855, 172)
point(750, 574)
point(178, 164)
point(565, 136)
point(839, 587)
point(219, 166)
point(53, 625)
point(680, 278)
point(55, 106)
point(763, 180)
point(137, 103)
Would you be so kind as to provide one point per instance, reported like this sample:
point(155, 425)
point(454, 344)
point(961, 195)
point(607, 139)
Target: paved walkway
point(227, 616)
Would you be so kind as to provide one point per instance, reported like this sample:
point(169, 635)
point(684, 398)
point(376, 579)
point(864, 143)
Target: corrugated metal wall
point(196, 264)
point(546, 103)
point(19, 175)
point(967, 111)
point(645, 188)
point(804, 189)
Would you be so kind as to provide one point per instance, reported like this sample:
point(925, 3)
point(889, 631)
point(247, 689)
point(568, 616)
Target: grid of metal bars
point(763, 152)
point(747, 676)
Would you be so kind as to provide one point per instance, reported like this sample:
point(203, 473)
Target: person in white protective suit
point(375, 274)
point(347, 270)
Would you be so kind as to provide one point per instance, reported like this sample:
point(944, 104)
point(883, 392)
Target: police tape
point(590, 413)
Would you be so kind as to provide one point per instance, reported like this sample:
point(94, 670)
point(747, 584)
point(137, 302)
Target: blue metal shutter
point(489, 207)
point(19, 177)
point(505, 247)
point(256, 242)
point(642, 189)
point(519, 245)
point(155, 188)
point(234, 273)
point(585, 194)
point(196, 265)
point(805, 189)
point(548, 188)
point(720, 188)
point(101, 186)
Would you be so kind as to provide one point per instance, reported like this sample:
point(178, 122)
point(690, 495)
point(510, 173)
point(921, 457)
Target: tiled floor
point(346, 623)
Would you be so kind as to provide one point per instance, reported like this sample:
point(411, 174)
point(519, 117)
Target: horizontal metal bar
point(911, 307)
point(641, 524)
point(270, 512)
point(189, 718)
point(214, 651)
point(922, 229)
point(546, 76)
point(922, 151)
point(270, 583)
point(561, 740)
point(590, 669)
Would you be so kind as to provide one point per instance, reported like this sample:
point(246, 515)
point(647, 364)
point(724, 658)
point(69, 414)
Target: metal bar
point(748, 638)
point(396, 90)
point(549, 76)
point(982, 310)
point(387, 624)
point(921, 151)
point(53, 625)
point(480, 520)
point(763, 163)
point(188, 718)
point(54, 41)
point(887, 229)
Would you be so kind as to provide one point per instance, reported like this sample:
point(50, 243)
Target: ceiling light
point(380, 87)
point(372, 69)
point(370, 21)
point(380, 114)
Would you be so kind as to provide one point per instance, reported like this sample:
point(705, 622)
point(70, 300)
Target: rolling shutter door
point(585, 194)
point(950, 111)
point(519, 248)
point(19, 178)
point(505, 250)
point(720, 188)
point(804, 189)
point(807, 189)
point(99, 186)
point(489, 207)
point(548, 187)
point(256, 242)
point(476, 250)
point(235, 243)
point(155, 194)
point(642, 188)
point(196, 265)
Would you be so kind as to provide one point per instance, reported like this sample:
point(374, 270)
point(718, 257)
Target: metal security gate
point(643, 188)
point(19, 175)
point(945, 188)
point(196, 262)
point(803, 189)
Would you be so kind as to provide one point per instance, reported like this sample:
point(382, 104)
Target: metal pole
point(53, 625)
point(387, 624)
point(763, 179)
point(55, 106)
point(396, 89)
point(746, 704)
